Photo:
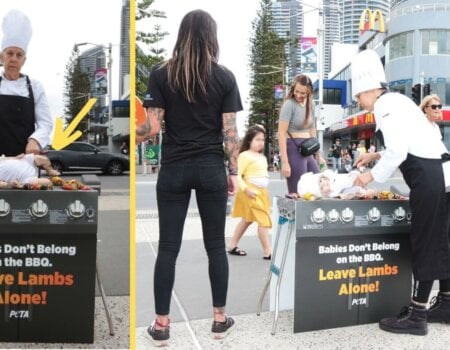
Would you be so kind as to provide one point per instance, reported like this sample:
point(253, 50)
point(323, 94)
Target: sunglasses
point(436, 106)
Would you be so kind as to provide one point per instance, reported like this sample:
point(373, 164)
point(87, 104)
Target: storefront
point(361, 127)
point(357, 128)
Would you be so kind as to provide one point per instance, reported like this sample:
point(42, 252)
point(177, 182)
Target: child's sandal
point(237, 251)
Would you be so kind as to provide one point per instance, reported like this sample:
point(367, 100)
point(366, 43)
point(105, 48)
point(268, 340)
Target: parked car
point(84, 156)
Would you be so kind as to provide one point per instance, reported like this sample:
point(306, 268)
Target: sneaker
point(411, 320)
point(160, 337)
point(220, 330)
point(440, 309)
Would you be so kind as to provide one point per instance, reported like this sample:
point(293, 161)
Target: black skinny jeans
point(206, 175)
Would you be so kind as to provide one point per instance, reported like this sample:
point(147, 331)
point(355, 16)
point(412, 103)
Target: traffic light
point(426, 90)
point(415, 93)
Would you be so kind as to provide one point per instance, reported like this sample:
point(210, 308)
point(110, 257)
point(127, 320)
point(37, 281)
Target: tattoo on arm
point(145, 129)
point(231, 138)
point(159, 112)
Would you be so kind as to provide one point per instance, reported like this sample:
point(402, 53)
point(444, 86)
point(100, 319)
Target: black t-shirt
point(336, 150)
point(193, 129)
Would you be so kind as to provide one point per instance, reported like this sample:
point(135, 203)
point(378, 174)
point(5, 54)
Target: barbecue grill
point(47, 265)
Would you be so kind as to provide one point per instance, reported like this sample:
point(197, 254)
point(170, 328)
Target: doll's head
point(324, 185)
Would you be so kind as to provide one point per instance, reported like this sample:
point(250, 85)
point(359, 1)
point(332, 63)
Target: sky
point(234, 26)
point(57, 26)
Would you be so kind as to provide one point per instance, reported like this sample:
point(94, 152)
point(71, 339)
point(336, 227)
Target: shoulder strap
point(30, 89)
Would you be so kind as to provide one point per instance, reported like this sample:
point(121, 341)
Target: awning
point(364, 123)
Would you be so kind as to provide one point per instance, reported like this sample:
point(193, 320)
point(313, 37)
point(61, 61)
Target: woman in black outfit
point(198, 99)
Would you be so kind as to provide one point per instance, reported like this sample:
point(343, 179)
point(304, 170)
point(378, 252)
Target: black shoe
point(160, 336)
point(440, 309)
point(220, 330)
point(412, 319)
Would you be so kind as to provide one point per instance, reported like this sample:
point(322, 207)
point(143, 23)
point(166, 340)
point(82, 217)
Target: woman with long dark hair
point(295, 125)
point(198, 99)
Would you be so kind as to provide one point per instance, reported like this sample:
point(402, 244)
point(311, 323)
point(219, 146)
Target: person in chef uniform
point(25, 118)
point(412, 145)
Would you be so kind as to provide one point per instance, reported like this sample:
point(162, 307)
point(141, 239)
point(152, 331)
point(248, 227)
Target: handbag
point(308, 147)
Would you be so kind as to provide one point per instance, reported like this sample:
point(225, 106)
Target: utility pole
point(422, 77)
point(320, 69)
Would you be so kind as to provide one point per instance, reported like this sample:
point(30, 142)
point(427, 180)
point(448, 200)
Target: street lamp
point(110, 110)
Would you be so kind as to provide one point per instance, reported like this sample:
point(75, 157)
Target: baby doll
point(330, 185)
point(23, 169)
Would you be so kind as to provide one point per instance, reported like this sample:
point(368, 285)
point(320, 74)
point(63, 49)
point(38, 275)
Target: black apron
point(430, 205)
point(17, 121)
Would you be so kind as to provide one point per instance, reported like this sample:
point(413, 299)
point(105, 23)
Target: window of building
point(435, 42)
point(121, 109)
point(438, 88)
point(400, 46)
point(332, 96)
point(447, 94)
point(401, 88)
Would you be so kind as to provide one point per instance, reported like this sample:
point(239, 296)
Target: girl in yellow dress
point(252, 199)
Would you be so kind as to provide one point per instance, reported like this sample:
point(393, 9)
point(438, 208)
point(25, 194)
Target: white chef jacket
point(44, 120)
point(405, 130)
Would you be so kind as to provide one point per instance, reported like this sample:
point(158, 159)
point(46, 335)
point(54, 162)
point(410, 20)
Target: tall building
point(416, 54)
point(394, 3)
point(91, 60)
point(351, 14)
point(331, 20)
point(124, 70)
point(288, 24)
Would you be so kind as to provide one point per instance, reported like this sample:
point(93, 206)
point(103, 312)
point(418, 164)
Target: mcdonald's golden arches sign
point(371, 20)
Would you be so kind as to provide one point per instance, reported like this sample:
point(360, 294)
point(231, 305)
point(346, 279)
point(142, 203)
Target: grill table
point(47, 265)
point(352, 261)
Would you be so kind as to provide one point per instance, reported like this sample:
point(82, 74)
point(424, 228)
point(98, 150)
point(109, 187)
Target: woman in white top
point(25, 118)
point(431, 105)
point(411, 144)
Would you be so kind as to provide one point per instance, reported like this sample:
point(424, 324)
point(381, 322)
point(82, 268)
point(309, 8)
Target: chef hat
point(309, 183)
point(367, 72)
point(16, 30)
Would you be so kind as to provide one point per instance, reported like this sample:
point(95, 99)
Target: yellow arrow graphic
point(61, 137)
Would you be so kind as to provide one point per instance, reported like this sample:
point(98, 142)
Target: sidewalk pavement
point(191, 313)
point(119, 307)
